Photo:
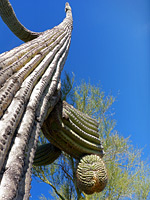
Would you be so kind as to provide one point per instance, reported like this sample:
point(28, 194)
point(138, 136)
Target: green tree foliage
point(129, 175)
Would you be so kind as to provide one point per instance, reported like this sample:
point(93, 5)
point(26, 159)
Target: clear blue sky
point(110, 45)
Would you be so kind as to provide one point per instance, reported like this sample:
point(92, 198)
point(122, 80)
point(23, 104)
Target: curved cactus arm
point(46, 154)
point(67, 129)
point(29, 89)
point(67, 133)
point(8, 15)
point(85, 119)
point(53, 135)
point(82, 123)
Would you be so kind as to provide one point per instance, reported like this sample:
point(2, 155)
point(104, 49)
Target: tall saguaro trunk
point(29, 90)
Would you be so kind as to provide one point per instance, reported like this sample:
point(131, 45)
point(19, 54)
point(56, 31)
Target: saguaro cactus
point(30, 101)
point(29, 89)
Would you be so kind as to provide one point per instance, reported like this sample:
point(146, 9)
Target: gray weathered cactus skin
point(29, 89)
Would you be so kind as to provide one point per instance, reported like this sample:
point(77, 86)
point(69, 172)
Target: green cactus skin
point(77, 134)
point(91, 174)
point(46, 154)
point(64, 129)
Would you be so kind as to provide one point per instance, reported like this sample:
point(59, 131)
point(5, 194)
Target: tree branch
point(44, 179)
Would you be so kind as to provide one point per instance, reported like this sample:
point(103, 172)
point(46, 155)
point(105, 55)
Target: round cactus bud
point(91, 174)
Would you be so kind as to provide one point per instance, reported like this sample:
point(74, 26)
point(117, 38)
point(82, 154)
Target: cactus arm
point(72, 125)
point(8, 15)
point(64, 131)
point(85, 119)
point(46, 154)
point(85, 126)
point(72, 139)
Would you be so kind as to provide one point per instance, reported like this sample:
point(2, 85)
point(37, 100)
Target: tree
point(129, 176)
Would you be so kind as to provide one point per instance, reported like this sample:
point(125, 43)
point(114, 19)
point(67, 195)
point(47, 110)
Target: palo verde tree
point(128, 174)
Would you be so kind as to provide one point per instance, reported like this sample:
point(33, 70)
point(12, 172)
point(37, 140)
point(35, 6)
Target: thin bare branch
point(44, 179)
